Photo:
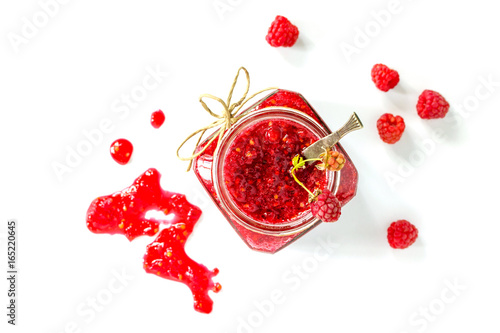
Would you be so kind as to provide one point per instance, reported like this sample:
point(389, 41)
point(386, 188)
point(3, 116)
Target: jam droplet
point(157, 118)
point(121, 151)
point(124, 213)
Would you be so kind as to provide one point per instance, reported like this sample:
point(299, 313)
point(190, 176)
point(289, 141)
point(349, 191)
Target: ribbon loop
point(224, 121)
point(234, 105)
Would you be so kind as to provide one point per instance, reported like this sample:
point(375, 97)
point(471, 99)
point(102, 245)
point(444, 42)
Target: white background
point(73, 71)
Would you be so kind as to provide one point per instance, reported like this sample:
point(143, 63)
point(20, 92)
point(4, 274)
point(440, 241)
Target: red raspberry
point(326, 207)
point(282, 32)
point(432, 105)
point(401, 234)
point(390, 127)
point(384, 77)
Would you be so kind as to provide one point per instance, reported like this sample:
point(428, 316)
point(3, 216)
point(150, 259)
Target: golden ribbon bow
point(225, 120)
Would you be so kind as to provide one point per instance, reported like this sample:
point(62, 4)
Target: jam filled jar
point(248, 177)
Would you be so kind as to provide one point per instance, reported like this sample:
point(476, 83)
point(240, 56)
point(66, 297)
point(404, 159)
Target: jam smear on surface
point(124, 213)
point(257, 171)
point(121, 151)
point(157, 118)
point(166, 257)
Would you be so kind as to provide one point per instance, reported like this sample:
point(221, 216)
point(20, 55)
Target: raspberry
point(384, 77)
point(331, 160)
point(390, 127)
point(326, 207)
point(282, 33)
point(432, 105)
point(401, 234)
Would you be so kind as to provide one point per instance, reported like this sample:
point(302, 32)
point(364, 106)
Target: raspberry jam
point(121, 151)
point(124, 212)
point(157, 118)
point(253, 188)
point(258, 162)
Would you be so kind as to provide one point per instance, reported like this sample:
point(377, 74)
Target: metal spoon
point(317, 148)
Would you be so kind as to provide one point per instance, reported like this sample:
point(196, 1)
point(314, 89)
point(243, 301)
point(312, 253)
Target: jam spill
point(157, 118)
point(167, 258)
point(124, 213)
point(121, 151)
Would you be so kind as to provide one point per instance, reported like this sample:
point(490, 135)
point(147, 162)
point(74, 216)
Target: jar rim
point(305, 219)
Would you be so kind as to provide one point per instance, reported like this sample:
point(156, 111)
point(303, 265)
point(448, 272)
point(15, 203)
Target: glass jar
point(284, 107)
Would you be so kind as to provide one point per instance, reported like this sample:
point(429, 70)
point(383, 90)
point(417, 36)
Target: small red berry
point(401, 234)
point(121, 151)
point(432, 105)
point(384, 77)
point(390, 127)
point(326, 207)
point(282, 33)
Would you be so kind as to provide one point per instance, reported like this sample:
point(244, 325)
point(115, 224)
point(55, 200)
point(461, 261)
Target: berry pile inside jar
point(257, 171)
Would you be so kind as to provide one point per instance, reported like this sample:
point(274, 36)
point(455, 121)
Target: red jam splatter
point(166, 257)
point(121, 151)
point(124, 213)
point(157, 118)
point(256, 171)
